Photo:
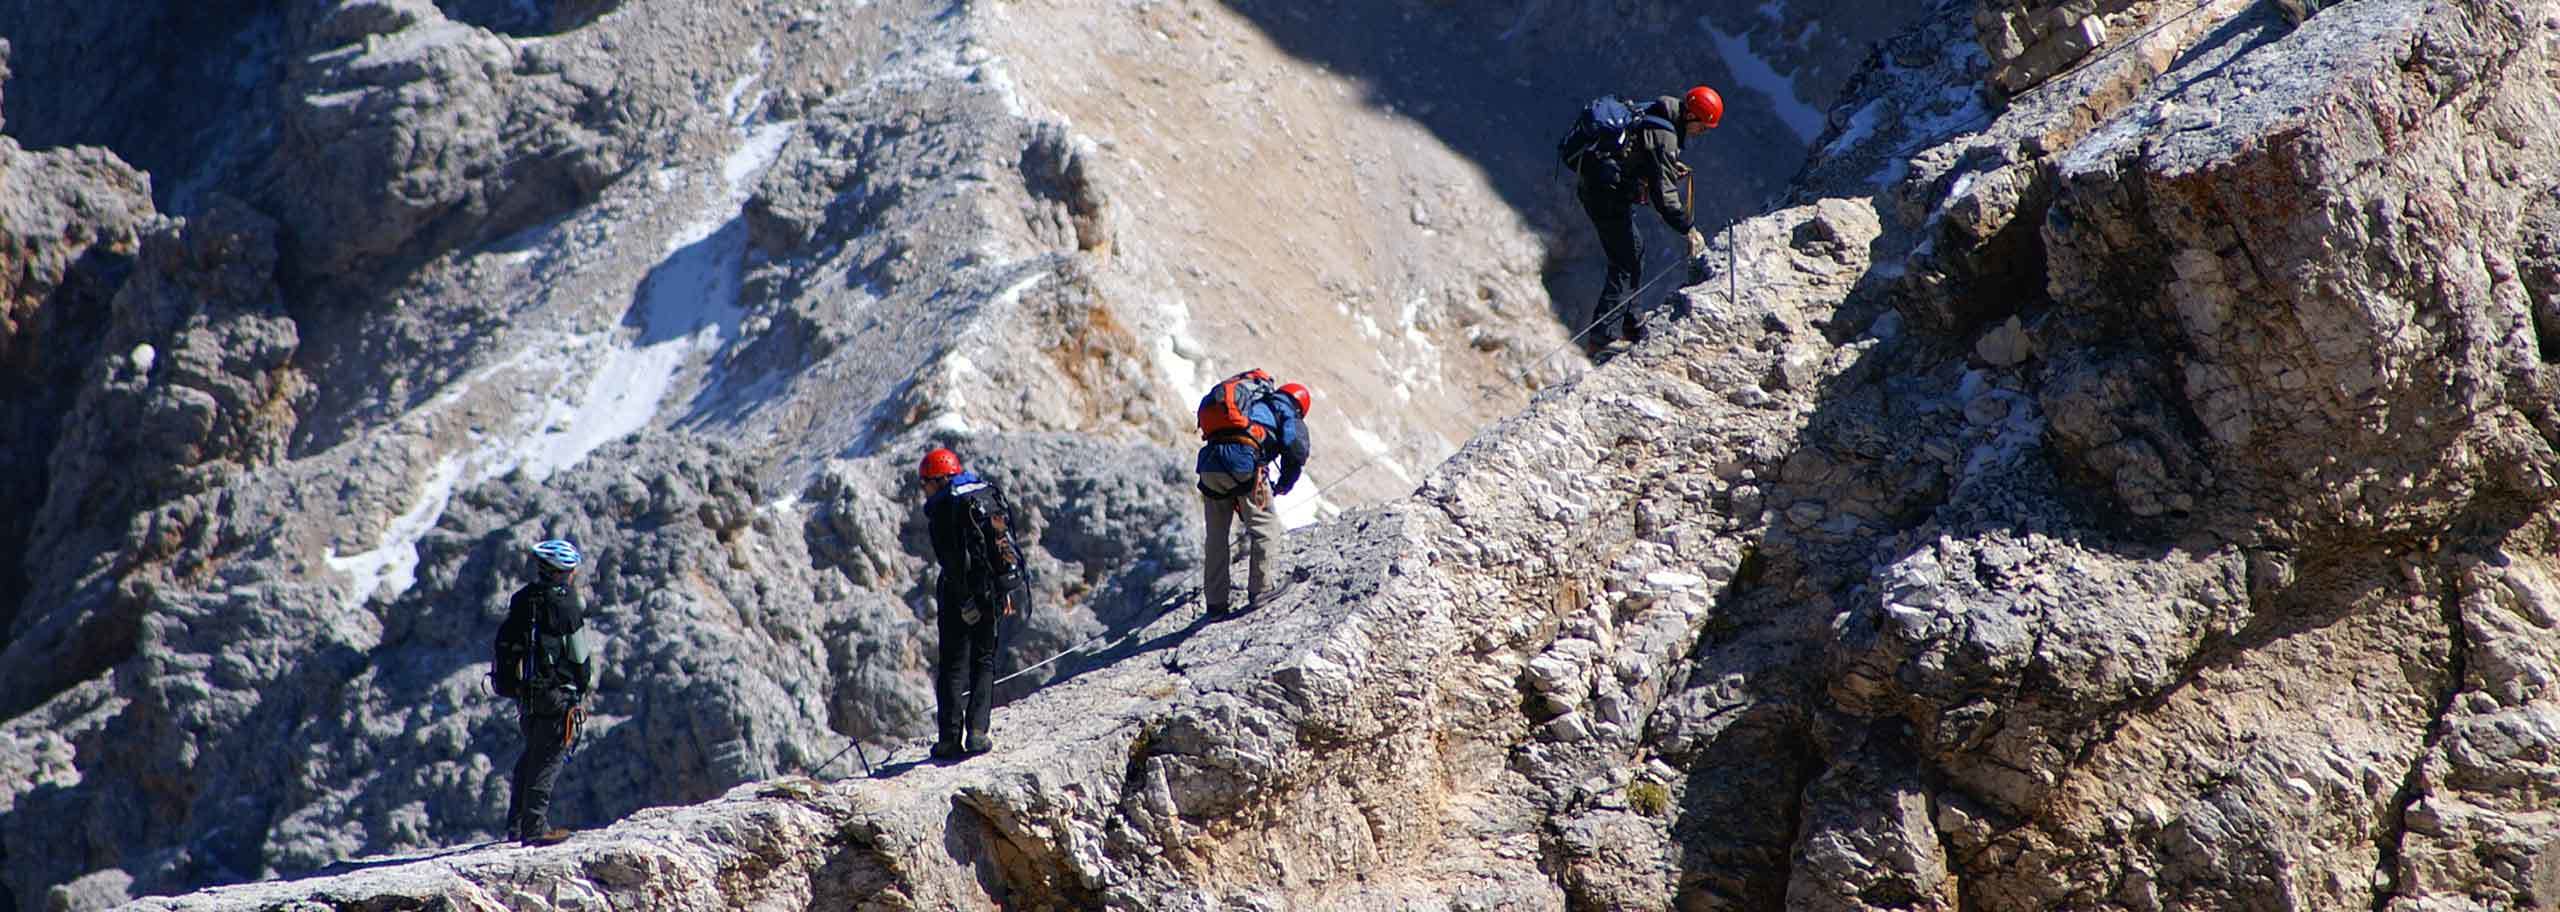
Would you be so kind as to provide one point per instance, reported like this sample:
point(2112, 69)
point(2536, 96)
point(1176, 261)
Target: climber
point(972, 530)
point(1623, 155)
point(1246, 422)
point(548, 662)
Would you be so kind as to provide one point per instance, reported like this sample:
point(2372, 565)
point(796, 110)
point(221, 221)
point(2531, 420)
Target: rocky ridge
point(2120, 493)
point(689, 282)
point(2138, 499)
point(1182, 773)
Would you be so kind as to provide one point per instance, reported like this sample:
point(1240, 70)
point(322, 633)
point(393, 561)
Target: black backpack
point(543, 663)
point(1602, 135)
point(991, 546)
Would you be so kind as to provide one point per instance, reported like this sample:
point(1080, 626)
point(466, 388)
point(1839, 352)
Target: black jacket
point(946, 515)
point(552, 610)
point(1653, 167)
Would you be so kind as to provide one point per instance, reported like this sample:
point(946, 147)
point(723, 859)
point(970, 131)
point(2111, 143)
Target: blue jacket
point(1284, 439)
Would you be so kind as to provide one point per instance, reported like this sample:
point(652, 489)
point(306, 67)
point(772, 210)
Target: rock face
point(1401, 727)
point(2119, 478)
point(400, 286)
point(72, 227)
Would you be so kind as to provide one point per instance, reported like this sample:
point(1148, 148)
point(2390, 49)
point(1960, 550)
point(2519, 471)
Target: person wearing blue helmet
point(546, 662)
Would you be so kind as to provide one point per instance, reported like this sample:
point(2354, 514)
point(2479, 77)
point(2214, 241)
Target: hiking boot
point(1219, 610)
point(554, 836)
point(1286, 582)
point(978, 743)
point(946, 749)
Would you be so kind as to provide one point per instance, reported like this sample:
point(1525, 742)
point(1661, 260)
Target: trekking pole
point(856, 748)
point(831, 761)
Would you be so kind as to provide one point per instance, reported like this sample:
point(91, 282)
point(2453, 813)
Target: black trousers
point(546, 744)
point(1613, 216)
point(964, 681)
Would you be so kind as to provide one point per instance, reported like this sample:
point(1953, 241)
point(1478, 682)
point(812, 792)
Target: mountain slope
point(692, 283)
point(2139, 499)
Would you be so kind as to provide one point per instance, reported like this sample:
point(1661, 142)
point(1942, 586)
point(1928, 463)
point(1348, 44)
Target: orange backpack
point(1225, 412)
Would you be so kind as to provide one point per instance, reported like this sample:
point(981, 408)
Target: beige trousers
point(1262, 531)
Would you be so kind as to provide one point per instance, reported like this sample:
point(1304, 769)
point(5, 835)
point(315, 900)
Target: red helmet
point(941, 463)
point(1299, 393)
point(1704, 106)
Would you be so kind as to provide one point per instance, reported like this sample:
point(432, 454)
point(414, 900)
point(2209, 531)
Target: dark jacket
point(946, 515)
point(1653, 167)
point(1284, 438)
point(551, 609)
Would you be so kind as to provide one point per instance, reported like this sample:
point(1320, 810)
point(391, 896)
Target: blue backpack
point(1602, 135)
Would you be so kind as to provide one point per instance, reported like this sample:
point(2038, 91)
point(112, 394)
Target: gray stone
point(2177, 536)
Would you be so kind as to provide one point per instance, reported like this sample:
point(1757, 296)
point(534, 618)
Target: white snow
point(688, 308)
point(1672, 580)
point(1177, 353)
point(1893, 171)
point(1757, 75)
point(1302, 506)
point(395, 559)
point(1964, 112)
point(1860, 126)
point(1375, 447)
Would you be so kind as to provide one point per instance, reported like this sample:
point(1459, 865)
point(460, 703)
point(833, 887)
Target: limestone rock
point(2120, 478)
point(412, 134)
point(71, 222)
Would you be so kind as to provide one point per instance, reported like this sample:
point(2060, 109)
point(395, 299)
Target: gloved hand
point(1697, 244)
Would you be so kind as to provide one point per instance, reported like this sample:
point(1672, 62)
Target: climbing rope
point(1156, 612)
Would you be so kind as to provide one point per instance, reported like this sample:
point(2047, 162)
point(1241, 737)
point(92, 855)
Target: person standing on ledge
point(972, 526)
point(547, 663)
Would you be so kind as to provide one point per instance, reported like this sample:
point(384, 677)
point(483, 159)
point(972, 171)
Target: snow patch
point(1302, 506)
point(1672, 581)
point(1177, 353)
point(763, 145)
point(1892, 173)
point(1860, 126)
point(1755, 73)
point(688, 309)
point(394, 560)
point(735, 103)
point(1377, 449)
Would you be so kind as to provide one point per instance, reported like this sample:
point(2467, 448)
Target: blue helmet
point(557, 555)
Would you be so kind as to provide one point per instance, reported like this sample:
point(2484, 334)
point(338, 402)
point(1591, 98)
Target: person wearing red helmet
point(971, 525)
point(1246, 424)
point(1623, 155)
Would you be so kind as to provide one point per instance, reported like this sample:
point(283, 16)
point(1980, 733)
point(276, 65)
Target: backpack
point(991, 544)
point(543, 663)
point(1602, 135)
point(1226, 413)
